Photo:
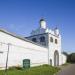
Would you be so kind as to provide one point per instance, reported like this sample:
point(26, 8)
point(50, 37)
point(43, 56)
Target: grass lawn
point(39, 70)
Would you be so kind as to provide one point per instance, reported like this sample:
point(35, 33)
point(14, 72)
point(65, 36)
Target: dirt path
point(68, 70)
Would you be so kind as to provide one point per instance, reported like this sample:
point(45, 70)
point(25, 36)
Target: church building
point(43, 46)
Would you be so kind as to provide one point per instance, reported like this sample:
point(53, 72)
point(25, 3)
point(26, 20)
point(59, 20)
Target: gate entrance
point(56, 58)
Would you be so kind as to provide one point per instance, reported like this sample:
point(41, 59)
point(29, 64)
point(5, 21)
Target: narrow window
point(34, 40)
point(42, 39)
point(51, 39)
point(51, 62)
point(56, 41)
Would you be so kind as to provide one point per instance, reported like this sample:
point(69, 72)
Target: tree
point(71, 58)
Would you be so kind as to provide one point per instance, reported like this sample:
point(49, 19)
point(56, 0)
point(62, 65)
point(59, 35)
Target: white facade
point(64, 59)
point(39, 52)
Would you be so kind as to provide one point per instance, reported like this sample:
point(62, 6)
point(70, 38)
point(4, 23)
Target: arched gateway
point(56, 58)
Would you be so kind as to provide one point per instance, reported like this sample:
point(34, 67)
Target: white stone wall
point(19, 50)
point(64, 59)
point(54, 47)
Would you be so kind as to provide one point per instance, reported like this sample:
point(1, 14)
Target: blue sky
point(22, 16)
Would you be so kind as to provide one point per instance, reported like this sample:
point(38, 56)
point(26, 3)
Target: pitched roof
point(19, 37)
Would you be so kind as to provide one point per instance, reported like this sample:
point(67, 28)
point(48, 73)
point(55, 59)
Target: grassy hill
point(39, 70)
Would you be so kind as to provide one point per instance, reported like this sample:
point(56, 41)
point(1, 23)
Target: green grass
point(39, 70)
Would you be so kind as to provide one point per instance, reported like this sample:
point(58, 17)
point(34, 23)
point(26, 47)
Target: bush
point(15, 68)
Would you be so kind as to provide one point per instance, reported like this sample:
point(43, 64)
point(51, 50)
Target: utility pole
point(48, 49)
point(6, 67)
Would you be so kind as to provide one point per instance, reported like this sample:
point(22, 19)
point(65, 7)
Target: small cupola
point(56, 30)
point(42, 23)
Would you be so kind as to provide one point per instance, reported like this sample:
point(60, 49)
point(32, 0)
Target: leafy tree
point(71, 58)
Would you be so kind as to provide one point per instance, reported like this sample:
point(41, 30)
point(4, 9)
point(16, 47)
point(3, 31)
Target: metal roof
point(19, 37)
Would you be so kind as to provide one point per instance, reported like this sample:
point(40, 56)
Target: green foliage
point(39, 70)
point(71, 58)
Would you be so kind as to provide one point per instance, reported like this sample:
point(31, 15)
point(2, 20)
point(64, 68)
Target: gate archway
point(56, 58)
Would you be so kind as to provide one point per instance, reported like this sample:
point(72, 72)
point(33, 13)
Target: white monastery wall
point(19, 50)
point(54, 47)
point(43, 51)
point(64, 59)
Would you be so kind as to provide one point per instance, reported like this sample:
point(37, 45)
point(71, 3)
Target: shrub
point(15, 68)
